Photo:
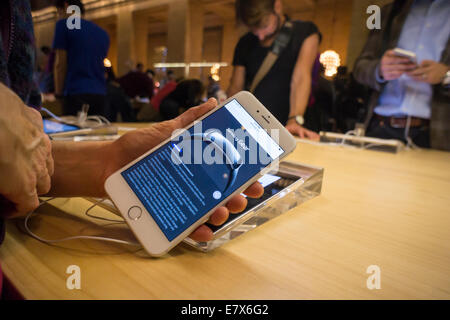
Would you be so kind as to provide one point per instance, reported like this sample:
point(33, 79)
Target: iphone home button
point(134, 213)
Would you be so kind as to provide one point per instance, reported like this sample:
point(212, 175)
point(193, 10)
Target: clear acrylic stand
point(306, 187)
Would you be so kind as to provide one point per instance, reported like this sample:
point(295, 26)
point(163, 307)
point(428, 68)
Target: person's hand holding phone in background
point(393, 66)
point(429, 71)
point(135, 143)
point(26, 156)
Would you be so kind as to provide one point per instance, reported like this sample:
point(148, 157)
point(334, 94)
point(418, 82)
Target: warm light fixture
point(107, 63)
point(215, 69)
point(331, 60)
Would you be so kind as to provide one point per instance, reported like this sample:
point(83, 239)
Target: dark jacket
point(17, 50)
point(136, 83)
point(364, 71)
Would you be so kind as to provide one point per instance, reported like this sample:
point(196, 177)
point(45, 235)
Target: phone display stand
point(306, 187)
point(385, 145)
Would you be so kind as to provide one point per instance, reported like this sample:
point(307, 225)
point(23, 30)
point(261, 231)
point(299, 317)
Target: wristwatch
point(299, 119)
point(446, 79)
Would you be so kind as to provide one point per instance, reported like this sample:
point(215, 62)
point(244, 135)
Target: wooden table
point(389, 210)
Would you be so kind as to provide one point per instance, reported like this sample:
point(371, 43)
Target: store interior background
point(191, 31)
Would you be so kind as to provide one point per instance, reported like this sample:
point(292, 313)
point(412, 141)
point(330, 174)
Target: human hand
point(26, 162)
point(48, 97)
point(430, 72)
point(393, 66)
point(294, 128)
point(135, 143)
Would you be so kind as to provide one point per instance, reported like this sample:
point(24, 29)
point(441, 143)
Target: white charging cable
point(409, 142)
point(52, 241)
point(81, 120)
point(98, 217)
point(348, 133)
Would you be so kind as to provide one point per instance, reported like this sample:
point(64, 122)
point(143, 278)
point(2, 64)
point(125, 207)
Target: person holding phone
point(33, 166)
point(409, 100)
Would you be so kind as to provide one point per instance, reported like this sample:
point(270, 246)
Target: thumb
point(21, 205)
point(426, 63)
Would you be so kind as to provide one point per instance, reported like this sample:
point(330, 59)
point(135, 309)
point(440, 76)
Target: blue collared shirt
point(425, 32)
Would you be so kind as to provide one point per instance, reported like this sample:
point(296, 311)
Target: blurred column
point(230, 37)
point(44, 33)
point(185, 34)
point(125, 41)
point(141, 39)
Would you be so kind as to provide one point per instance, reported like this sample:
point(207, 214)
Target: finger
point(25, 203)
point(394, 75)
point(202, 234)
point(43, 184)
point(418, 72)
point(427, 63)
point(313, 136)
point(400, 67)
point(219, 216)
point(237, 204)
point(396, 60)
point(34, 117)
point(24, 194)
point(194, 113)
point(256, 190)
point(301, 133)
point(50, 162)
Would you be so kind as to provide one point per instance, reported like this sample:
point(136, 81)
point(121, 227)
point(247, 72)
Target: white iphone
point(406, 54)
point(168, 192)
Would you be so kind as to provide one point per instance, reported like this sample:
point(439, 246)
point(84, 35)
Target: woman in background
point(187, 94)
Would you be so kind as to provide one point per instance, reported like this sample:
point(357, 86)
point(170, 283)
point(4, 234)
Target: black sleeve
point(240, 52)
point(302, 30)
point(308, 28)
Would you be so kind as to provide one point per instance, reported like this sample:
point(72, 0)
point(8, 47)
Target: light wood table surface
point(389, 210)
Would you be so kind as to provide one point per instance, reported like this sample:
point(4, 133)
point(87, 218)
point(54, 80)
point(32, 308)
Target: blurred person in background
point(164, 91)
point(213, 90)
point(46, 80)
point(286, 88)
point(140, 67)
point(409, 101)
point(150, 73)
point(117, 102)
point(79, 71)
point(188, 93)
point(169, 77)
point(137, 83)
point(320, 113)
